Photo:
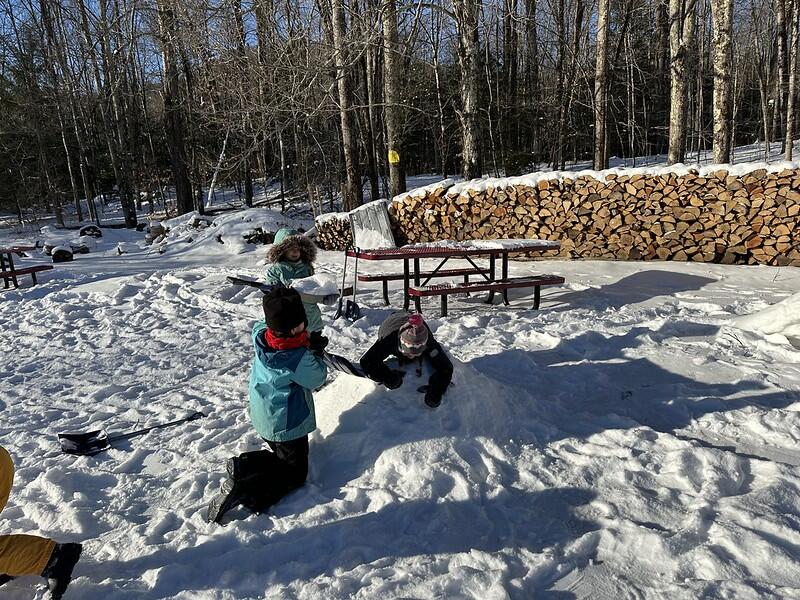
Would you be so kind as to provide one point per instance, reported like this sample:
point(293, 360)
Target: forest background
point(154, 99)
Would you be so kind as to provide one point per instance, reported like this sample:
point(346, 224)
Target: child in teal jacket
point(292, 256)
point(286, 368)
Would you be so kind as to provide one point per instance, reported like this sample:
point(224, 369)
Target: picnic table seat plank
point(444, 289)
point(385, 278)
point(13, 274)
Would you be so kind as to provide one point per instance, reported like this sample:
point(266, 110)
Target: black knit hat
point(283, 310)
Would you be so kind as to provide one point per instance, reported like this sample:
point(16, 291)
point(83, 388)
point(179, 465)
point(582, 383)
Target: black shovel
point(340, 363)
point(94, 442)
point(352, 311)
point(264, 287)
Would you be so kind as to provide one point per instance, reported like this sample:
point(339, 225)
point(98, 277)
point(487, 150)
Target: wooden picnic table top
point(447, 248)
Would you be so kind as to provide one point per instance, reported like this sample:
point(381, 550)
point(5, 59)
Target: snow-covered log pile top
point(333, 231)
point(743, 214)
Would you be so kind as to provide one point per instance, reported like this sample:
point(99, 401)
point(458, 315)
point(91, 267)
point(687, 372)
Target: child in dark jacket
point(285, 370)
point(409, 338)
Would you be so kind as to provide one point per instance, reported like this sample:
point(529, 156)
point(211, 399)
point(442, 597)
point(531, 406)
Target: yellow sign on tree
point(394, 157)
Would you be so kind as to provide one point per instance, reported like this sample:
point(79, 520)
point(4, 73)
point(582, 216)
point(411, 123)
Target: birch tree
point(466, 23)
point(600, 96)
point(793, 11)
point(722, 17)
point(681, 39)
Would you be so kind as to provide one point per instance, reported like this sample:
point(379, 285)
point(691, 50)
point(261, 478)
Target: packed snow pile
point(617, 443)
point(781, 319)
point(228, 231)
point(321, 284)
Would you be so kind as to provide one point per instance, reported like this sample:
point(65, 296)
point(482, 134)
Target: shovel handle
point(124, 436)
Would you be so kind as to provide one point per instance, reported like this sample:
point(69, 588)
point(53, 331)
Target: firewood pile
point(718, 217)
point(333, 231)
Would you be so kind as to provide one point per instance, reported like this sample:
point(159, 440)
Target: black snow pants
point(266, 476)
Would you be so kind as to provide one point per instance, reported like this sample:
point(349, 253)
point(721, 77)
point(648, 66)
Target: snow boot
point(229, 497)
point(58, 570)
point(234, 468)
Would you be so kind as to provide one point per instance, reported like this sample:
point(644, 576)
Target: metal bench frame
point(11, 275)
point(385, 278)
point(444, 289)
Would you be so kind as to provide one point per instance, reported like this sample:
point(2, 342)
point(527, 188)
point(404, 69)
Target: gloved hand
point(432, 399)
point(395, 381)
point(330, 299)
point(318, 342)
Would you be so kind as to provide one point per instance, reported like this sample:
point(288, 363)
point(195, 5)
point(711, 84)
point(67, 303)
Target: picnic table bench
point(443, 289)
point(11, 273)
point(385, 278)
point(415, 281)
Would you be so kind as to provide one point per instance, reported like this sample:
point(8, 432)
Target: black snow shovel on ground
point(352, 311)
point(94, 442)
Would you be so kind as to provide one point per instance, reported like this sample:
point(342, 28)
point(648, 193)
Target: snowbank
point(782, 318)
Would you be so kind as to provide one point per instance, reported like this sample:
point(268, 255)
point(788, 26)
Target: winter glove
point(330, 299)
point(395, 381)
point(432, 399)
point(317, 342)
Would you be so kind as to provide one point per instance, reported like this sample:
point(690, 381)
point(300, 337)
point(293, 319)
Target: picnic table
point(416, 282)
point(10, 273)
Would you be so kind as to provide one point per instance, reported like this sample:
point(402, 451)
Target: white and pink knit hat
point(413, 336)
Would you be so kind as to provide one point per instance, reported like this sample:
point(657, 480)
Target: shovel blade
point(352, 311)
point(84, 444)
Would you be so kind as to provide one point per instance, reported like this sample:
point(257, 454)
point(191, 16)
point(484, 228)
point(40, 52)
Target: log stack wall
point(749, 218)
point(334, 232)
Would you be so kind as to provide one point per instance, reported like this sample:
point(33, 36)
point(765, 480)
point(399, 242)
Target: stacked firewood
point(333, 232)
point(718, 217)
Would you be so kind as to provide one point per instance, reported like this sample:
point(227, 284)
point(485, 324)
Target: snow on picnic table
point(636, 437)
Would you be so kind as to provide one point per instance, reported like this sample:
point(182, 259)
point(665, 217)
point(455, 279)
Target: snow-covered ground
point(637, 437)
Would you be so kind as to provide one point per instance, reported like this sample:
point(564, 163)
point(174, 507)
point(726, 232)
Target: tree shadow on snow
point(510, 522)
point(632, 289)
point(589, 382)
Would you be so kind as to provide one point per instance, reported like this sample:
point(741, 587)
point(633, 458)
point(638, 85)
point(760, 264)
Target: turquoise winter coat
point(284, 272)
point(281, 404)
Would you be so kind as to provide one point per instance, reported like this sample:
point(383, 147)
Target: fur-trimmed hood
point(289, 238)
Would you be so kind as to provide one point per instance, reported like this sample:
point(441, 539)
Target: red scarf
point(287, 343)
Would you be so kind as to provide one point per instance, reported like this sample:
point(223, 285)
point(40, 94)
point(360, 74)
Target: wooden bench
point(443, 289)
point(12, 275)
point(385, 278)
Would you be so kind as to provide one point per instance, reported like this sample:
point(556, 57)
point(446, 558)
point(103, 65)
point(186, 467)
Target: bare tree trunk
point(217, 169)
point(111, 130)
point(722, 16)
point(353, 192)
point(557, 150)
point(532, 68)
point(376, 136)
point(600, 85)
point(466, 14)
point(112, 89)
point(509, 120)
point(793, 9)
point(568, 90)
point(681, 37)
point(782, 11)
point(392, 54)
point(173, 111)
